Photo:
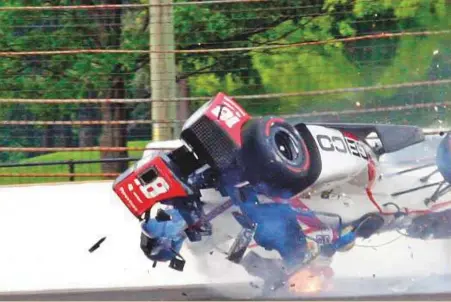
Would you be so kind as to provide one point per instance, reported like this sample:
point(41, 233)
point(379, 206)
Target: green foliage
point(325, 66)
point(61, 156)
point(64, 76)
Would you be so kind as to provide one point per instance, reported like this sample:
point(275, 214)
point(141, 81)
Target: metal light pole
point(162, 70)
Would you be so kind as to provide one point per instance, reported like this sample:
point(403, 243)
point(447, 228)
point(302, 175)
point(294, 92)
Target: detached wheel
point(275, 157)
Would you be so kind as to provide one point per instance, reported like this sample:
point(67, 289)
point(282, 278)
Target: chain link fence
point(92, 81)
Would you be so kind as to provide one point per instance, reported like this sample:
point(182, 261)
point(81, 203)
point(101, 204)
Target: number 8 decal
point(157, 187)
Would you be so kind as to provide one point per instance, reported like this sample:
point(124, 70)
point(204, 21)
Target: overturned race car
point(286, 179)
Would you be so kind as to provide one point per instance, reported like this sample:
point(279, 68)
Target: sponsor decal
point(345, 145)
point(226, 114)
point(122, 190)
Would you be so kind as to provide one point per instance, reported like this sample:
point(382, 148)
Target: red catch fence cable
point(120, 6)
point(221, 50)
point(237, 97)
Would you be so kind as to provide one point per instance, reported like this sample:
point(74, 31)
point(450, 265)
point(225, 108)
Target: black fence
point(70, 164)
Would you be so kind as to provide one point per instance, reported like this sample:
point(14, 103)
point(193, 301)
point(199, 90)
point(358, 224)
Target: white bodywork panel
point(338, 167)
point(152, 147)
point(344, 173)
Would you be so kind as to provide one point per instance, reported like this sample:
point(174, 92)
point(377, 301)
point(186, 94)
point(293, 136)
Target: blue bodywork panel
point(170, 235)
point(444, 158)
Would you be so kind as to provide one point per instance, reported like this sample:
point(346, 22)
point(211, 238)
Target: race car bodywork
point(289, 181)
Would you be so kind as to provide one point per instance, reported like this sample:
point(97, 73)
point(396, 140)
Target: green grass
point(61, 156)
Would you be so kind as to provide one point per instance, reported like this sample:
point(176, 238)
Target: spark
point(305, 282)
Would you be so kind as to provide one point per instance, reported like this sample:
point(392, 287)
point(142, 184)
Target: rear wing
point(392, 137)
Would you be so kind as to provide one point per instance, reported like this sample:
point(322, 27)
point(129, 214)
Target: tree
point(75, 76)
point(200, 27)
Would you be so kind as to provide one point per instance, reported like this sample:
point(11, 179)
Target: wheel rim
point(286, 146)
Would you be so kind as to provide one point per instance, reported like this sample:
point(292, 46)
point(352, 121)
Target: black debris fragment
point(97, 244)
point(252, 284)
point(184, 294)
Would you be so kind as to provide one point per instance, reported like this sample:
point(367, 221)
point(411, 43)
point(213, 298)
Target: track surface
point(195, 293)
point(430, 288)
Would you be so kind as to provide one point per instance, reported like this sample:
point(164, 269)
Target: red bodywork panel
point(149, 182)
point(228, 115)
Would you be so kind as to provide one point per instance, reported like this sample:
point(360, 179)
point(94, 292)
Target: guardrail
point(71, 167)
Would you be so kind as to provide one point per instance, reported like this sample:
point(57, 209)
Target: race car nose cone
point(444, 158)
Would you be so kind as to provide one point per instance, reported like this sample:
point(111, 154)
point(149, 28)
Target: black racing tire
point(275, 158)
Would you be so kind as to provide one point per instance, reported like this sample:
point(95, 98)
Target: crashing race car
point(290, 183)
